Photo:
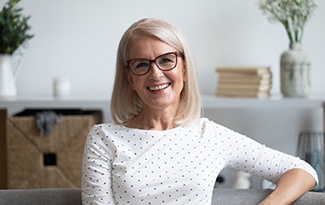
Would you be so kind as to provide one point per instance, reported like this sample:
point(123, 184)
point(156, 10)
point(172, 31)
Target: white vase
point(295, 72)
point(7, 77)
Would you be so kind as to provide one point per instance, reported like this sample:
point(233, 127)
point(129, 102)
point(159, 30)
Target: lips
point(158, 87)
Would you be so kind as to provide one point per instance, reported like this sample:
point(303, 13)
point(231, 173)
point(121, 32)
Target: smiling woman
point(159, 150)
point(137, 43)
point(159, 90)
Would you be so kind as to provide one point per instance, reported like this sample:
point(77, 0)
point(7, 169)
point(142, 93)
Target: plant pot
point(295, 72)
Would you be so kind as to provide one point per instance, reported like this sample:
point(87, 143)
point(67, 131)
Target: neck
point(153, 120)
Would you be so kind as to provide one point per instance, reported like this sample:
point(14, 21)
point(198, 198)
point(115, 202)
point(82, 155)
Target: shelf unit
point(208, 101)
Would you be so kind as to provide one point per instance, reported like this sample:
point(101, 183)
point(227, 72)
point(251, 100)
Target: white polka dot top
point(177, 166)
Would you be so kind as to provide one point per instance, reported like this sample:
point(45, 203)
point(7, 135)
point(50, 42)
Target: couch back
point(73, 197)
point(59, 196)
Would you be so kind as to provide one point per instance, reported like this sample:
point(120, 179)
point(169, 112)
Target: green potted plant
point(14, 32)
point(295, 63)
point(14, 28)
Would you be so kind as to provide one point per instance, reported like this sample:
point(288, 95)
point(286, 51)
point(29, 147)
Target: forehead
point(148, 48)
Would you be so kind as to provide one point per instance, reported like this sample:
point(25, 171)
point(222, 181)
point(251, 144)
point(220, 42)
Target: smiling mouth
point(159, 87)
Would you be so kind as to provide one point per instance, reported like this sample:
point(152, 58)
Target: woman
point(159, 150)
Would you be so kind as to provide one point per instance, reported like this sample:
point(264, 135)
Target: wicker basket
point(51, 161)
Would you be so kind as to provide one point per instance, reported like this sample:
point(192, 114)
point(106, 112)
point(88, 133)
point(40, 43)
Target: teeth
point(158, 87)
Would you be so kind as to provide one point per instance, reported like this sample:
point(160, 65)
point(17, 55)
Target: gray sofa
point(73, 197)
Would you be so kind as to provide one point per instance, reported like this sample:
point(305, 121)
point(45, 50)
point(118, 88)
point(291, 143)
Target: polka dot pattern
point(177, 166)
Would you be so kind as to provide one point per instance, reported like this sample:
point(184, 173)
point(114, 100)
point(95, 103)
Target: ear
point(129, 77)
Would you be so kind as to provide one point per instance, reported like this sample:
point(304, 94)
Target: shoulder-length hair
point(125, 103)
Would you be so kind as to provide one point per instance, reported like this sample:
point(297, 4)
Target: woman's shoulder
point(207, 124)
point(109, 126)
point(105, 128)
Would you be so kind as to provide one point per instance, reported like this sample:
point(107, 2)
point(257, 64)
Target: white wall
point(79, 38)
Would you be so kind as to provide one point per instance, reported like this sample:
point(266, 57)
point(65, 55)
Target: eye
point(140, 64)
point(167, 59)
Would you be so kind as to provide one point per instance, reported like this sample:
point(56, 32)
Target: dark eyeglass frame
point(153, 61)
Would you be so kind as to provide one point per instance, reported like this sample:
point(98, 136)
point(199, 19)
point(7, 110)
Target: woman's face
point(157, 89)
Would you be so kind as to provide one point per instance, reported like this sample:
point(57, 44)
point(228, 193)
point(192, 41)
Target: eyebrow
point(170, 52)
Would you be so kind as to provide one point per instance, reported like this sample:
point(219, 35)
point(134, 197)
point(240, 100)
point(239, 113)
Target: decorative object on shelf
point(61, 86)
point(242, 181)
point(244, 81)
point(311, 149)
point(7, 77)
point(295, 72)
point(295, 63)
point(14, 30)
point(265, 184)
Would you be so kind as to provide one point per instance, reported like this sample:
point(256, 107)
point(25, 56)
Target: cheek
point(178, 78)
point(182, 71)
point(182, 74)
point(130, 79)
point(137, 82)
point(133, 80)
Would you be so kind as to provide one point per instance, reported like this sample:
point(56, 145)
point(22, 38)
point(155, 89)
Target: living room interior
point(77, 40)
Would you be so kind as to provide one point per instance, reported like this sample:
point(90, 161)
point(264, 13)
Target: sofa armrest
point(254, 196)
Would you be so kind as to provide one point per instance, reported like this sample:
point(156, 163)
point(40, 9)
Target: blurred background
point(79, 38)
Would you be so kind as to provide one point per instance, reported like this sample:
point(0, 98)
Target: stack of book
point(254, 81)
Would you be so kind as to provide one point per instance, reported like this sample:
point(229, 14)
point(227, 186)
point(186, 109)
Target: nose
point(155, 72)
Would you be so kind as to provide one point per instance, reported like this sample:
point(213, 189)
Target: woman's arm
point(96, 169)
point(290, 186)
point(292, 175)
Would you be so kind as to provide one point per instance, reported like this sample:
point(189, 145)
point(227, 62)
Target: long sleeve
point(245, 154)
point(96, 169)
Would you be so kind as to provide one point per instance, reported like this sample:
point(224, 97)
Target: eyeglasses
point(165, 62)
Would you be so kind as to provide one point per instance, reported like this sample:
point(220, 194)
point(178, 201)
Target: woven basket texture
point(26, 151)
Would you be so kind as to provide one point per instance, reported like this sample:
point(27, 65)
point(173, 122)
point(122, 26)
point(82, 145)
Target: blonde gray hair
point(125, 103)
